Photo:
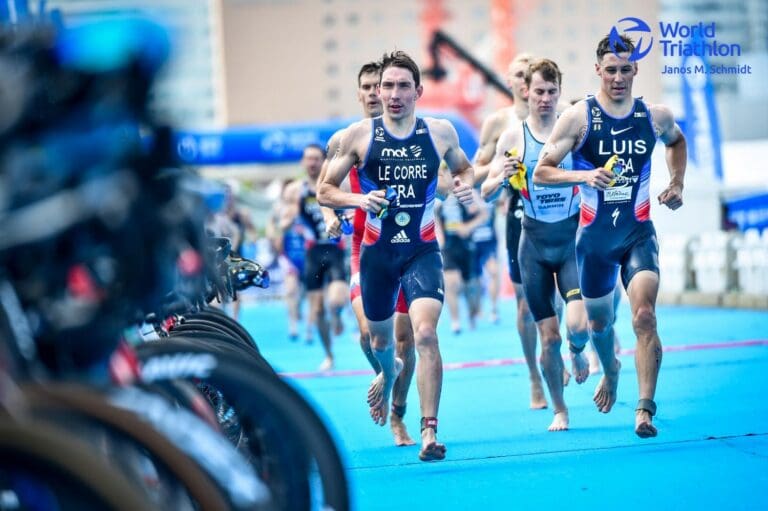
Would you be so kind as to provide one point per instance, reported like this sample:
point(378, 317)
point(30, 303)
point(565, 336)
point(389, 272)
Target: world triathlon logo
point(627, 26)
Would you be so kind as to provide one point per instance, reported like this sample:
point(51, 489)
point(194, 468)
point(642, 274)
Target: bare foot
point(538, 401)
point(326, 365)
point(431, 450)
point(566, 377)
point(379, 392)
point(580, 367)
point(560, 422)
point(605, 393)
point(399, 431)
point(644, 427)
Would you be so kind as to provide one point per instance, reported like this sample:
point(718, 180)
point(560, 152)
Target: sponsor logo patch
point(400, 237)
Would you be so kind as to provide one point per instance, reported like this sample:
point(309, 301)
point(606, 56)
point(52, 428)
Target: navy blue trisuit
point(615, 229)
point(324, 261)
point(400, 249)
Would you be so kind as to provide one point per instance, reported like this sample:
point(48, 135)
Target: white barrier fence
point(715, 262)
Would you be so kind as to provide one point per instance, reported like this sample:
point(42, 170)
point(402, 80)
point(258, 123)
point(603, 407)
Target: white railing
point(715, 262)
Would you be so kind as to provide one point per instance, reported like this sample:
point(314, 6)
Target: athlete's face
point(516, 80)
point(616, 74)
point(368, 94)
point(398, 92)
point(542, 96)
point(312, 161)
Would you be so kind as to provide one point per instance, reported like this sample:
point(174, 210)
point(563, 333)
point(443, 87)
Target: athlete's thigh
point(568, 275)
point(422, 277)
point(452, 255)
point(402, 306)
point(514, 231)
point(642, 255)
point(643, 290)
point(337, 270)
point(424, 314)
point(313, 270)
point(538, 281)
point(379, 282)
point(597, 271)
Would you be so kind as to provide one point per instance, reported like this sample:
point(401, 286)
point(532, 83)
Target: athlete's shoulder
point(660, 113)
point(334, 141)
point(354, 138)
point(573, 118)
point(664, 125)
point(511, 136)
point(439, 127)
point(438, 122)
point(579, 108)
point(357, 129)
point(293, 190)
point(497, 122)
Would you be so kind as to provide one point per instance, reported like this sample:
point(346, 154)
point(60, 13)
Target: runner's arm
point(331, 219)
point(484, 155)
point(569, 130)
point(467, 228)
point(492, 186)
point(329, 192)
point(458, 163)
point(676, 155)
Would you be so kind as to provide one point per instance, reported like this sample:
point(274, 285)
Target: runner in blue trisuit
point(615, 232)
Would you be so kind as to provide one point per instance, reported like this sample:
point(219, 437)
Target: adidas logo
point(400, 237)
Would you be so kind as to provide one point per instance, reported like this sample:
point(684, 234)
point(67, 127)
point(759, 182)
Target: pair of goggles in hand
point(394, 203)
point(614, 165)
point(519, 180)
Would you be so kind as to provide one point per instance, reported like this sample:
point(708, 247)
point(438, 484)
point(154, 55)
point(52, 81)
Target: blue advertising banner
point(701, 127)
point(13, 11)
point(748, 212)
point(281, 143)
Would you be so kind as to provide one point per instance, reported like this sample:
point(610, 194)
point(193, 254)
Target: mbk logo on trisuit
point(395, 153)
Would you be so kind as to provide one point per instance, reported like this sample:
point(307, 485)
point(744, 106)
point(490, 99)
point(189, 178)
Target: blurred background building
point(274, 64)
point(241, 62)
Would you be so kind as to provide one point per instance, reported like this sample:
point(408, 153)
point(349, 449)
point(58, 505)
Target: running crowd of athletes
point(572, 182)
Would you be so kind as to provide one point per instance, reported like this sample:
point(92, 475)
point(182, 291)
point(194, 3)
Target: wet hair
point(547, 69)
point(401, 59)
point(314, 146)
point(369, 68)
point(604, 46)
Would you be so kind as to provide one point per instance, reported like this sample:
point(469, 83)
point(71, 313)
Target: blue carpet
point(711, 452)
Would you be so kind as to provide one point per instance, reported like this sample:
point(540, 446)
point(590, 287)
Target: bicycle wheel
point(214, 321)
point(40, 462)
point(126, 415)
point(220, 341)
point(259, 434)
point(199, 325)
point(217, 315)
point(255, 393)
